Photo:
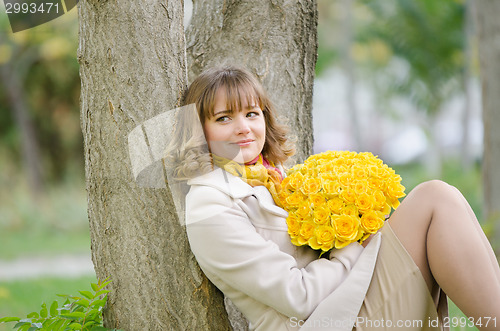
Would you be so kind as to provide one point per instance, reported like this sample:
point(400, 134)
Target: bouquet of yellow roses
point(336, 198)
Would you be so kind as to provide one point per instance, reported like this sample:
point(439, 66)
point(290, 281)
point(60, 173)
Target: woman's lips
point(245, 142)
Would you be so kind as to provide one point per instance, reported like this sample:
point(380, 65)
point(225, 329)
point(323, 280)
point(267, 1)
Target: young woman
point(431, 245)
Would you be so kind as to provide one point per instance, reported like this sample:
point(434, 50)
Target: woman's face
point(237, 135)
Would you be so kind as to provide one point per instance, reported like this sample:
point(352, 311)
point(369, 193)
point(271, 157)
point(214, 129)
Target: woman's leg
point(439, 230)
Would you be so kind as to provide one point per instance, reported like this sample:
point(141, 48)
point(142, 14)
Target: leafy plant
point(77, 313)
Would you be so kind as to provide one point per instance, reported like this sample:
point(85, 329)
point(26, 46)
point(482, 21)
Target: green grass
point(54, 223)
point(458, 321)
point(21, 297)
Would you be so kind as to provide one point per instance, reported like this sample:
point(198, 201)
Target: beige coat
point(239, 237)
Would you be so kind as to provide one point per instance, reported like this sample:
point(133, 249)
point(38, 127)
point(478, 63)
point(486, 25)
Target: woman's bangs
point(237, 93)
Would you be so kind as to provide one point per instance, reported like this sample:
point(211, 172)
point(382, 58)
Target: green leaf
point(24, 327)
point(83, 302)
point(98, 303)
point(59, 324)
point(9, 319)
point(43, 312)
point(47, 324)
point(75, 326)
point(53, 308)
point(102, 292)
point(33, 315)
point(89, 323)
point(95, 287)
point(74, 315)
point(78, 308)
point(87, 294)
point(21, 324)
point(64, 309)
point(103, 284)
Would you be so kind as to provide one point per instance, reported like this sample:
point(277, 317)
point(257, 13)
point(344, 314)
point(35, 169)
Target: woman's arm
point(232, 253)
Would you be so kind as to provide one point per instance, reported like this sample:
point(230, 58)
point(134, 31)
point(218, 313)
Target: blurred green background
point(393, 68)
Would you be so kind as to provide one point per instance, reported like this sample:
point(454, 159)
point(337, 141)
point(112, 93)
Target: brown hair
point(239, 84)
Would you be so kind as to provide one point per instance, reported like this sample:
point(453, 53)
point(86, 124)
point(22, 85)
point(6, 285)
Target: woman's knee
point(439, 195)
point(436, 189)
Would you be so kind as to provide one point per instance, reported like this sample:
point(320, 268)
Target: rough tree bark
point(489, 54)
point(275, 39)
point(132, 67)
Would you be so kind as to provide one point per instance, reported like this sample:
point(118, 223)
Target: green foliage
point(77, 313)
point(41, 72)
point(427, 37)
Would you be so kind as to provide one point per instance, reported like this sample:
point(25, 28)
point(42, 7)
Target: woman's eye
point(222, 119)
point(252, 114)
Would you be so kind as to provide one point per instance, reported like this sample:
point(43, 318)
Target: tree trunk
point(488, 12)
point(275, 39)
point(466, 157)
point(132, 67)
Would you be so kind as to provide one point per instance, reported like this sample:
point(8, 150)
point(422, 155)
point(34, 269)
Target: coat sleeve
point(229, 250)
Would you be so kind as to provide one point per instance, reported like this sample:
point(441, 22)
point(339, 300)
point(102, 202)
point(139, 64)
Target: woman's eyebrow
point(223, 112)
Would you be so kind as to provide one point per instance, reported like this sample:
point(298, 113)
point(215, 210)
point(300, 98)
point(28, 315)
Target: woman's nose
point(242, 125)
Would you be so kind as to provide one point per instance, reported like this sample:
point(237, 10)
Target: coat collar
point(237, 189)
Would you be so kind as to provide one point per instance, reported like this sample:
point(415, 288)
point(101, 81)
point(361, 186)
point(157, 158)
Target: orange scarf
point(256, 174)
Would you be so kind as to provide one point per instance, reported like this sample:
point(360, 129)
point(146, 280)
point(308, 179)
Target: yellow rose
point(372, 221)
point(294, 199)
point(321, 215)
point(304, 210)
point(316, 200)
point(306, 231)
point(379, 200)
point(286, 187)
point(374, 171)
point(296, 168)
point(340, 169)
point(350, 210)
point(365, 202)
point(386, 172)
point(359, 171)
point(374, 183)
point(311, 169)
point(386, 210)
point(395, 190)
point(331, 187)
point(311, 185)
point(394, 203)
point(335, 205)
point(345, 179)
point(293, 223)
point(348, 195)
point(346, 227)
point(360, 186)
point(324, 238)
point(325, 167)
point(341, 243)
point(296, 180)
